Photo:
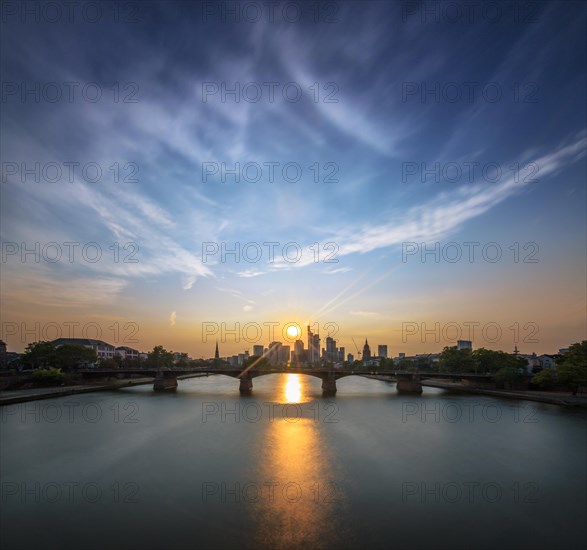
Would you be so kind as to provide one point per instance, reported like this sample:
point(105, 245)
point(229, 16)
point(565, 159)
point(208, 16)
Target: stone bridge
point(406, 381)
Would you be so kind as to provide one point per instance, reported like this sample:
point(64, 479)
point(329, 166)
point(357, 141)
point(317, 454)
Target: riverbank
point(565, 399)
point(11, 397)
point(554, 398)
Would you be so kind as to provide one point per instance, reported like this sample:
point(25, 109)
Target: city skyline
point(420, 338)
point(181, 242)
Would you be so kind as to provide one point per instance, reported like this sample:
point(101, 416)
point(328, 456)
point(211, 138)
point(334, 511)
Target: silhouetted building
point(366, 351)
point(298, 354)
point(382, 351)
point(313, 346)
point(273, 353)
point(216, 354)
point(258, 350)
point(464, 344)
point(331, 351)
point(284, 355)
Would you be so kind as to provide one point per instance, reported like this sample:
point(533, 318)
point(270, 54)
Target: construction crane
point(358, 352)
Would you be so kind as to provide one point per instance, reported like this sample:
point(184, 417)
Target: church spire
point(366, 351)
point(216, 354)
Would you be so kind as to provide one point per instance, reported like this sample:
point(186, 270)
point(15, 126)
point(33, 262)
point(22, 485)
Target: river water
point(287, 468)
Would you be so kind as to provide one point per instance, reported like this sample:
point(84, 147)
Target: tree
point(407, 364)
point(423, 363)
point(70, 356)
point(508, 376)
point(49, 376)
point(386, 363)
point(160, 358)
point(572, 367)
point(109, 364)
point(545, 379)
point(456, 360)
point(130, 362)
point(487, 360)
point(39, 354)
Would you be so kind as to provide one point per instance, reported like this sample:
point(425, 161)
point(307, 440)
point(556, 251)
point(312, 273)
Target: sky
point(362, 133)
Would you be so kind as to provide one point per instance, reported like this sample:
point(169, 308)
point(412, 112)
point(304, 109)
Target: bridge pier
point(165, 383)
point(328, 386)
point(411, 384)
point(246, 385)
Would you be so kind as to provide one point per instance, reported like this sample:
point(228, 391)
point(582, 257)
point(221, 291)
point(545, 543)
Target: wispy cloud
point(334, 270)
point(446, 213)
point(250, 273)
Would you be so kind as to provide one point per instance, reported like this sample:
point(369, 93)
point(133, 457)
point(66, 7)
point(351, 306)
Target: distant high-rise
point(366, 351)
point(382, 351)
point(258, 350)
point(284, 354)
point(464, 344)
point(313, 346)
point(350, 358)
point(298, 352)
point(273, 354)
point(316, 348)
point(331, 351)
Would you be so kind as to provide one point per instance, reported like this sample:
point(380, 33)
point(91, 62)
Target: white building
point(127, 353)
point(103, 350)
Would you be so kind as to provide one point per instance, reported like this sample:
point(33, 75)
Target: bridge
point(407, 381)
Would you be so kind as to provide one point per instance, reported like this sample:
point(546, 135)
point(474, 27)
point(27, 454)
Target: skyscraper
point(284, 355)
point(313, 346)
point(331, 351)
point(258, 350)
point(298, 352)
point(382, 351)
point(274, 352)
point(316, 349)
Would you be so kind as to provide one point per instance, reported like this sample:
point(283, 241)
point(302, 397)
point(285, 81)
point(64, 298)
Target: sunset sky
point(380, 122)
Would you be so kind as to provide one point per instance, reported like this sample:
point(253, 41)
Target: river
point(287, 468)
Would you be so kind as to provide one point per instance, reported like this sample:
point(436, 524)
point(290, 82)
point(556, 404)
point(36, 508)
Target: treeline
point(67, 357)
point(570, 372)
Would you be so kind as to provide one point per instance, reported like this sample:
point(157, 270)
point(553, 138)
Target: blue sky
point(371, 57)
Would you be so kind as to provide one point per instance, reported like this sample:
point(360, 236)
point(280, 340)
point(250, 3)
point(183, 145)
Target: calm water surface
point(287, 468)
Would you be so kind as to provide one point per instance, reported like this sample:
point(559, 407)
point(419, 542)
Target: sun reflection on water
point(307, 491)
point(293, 388)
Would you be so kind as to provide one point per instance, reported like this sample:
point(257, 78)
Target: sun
point(293, 331)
